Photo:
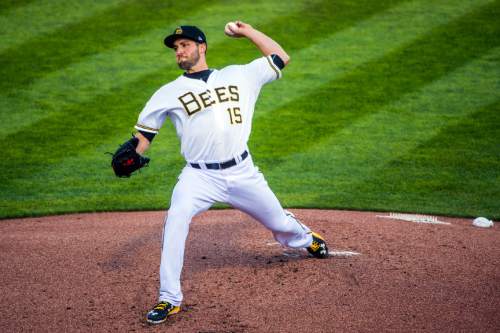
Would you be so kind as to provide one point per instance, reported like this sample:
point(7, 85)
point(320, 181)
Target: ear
point(203, 48)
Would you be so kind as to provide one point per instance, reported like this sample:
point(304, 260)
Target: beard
point(190, 62)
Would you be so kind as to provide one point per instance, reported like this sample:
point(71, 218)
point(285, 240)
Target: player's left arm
point(144, 141)
point(264, 43)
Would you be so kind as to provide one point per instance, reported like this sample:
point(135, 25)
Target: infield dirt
point(99, 273)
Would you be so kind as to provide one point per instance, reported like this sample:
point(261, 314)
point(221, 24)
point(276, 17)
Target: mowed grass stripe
point(81, 118)
point(136, 57)
point(372, 85)
point(73, 185)
point(77, 83)
point(10, 4)
point(25, 22)
point(58, 181)
point(74, 142)
point(318, 20)
point(80, 39)
point(458, 170)
point(345, 162)
point(339, 53)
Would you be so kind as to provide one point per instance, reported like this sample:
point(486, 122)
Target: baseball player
point(212, 113)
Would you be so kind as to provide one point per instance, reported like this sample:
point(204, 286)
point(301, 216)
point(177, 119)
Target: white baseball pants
point(243, 187)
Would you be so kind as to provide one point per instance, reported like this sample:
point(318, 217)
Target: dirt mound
point(99, 272)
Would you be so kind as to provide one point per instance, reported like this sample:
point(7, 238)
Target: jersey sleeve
point(262, 70)
point(153, 115)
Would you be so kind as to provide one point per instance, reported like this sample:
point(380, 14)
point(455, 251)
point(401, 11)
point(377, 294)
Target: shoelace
point(315, 246)
point(161, 306)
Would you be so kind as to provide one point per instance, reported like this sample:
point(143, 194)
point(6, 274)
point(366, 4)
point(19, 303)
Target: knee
point(179, 216)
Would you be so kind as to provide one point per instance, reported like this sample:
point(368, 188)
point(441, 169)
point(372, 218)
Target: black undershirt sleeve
point(148, 135)
point(278, 61)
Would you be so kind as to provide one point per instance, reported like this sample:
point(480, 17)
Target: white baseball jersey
point(213, 119)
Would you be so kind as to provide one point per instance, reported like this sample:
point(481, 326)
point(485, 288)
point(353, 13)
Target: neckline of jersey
point(201, 75)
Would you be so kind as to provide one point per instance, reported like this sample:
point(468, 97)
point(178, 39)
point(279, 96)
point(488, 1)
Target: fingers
point(242, 24)
point(242, 28)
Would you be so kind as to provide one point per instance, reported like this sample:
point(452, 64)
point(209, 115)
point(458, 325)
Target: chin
point(185, 66)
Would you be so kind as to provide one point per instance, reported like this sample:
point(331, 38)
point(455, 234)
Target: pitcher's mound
point(99, 272)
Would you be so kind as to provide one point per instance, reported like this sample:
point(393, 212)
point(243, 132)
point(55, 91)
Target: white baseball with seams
point(229, 28)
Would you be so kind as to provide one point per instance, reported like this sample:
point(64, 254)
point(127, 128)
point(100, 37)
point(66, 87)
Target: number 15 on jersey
point(235, 115)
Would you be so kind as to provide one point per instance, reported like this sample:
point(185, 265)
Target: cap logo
point(200, 39)
point(178, 31)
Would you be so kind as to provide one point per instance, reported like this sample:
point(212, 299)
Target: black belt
point(223, 165)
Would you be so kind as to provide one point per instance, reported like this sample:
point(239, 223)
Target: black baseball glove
point(126, 160)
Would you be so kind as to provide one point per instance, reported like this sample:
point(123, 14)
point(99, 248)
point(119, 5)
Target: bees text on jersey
point(212, 118)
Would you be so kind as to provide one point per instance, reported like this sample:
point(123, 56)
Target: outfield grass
point(386, 105)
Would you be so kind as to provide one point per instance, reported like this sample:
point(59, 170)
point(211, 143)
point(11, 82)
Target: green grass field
point(386, 105)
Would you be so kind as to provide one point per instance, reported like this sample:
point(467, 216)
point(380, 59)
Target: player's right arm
point(264, 43)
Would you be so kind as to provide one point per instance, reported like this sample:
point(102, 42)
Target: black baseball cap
point(185, 31)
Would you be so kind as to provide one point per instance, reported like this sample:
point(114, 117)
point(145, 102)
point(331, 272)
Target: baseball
point(482, 222)
point(229, 28)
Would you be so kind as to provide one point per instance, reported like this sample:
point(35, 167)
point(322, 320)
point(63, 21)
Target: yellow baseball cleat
point(161, 311)
point(318, 248)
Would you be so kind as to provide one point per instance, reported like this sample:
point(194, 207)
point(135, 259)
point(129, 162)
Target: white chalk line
point(343, 253)
point(295, 253)
point(415, 218)
point(332, 253)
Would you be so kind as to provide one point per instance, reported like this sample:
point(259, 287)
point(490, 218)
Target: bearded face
point(187, 53)
point(189, 61)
